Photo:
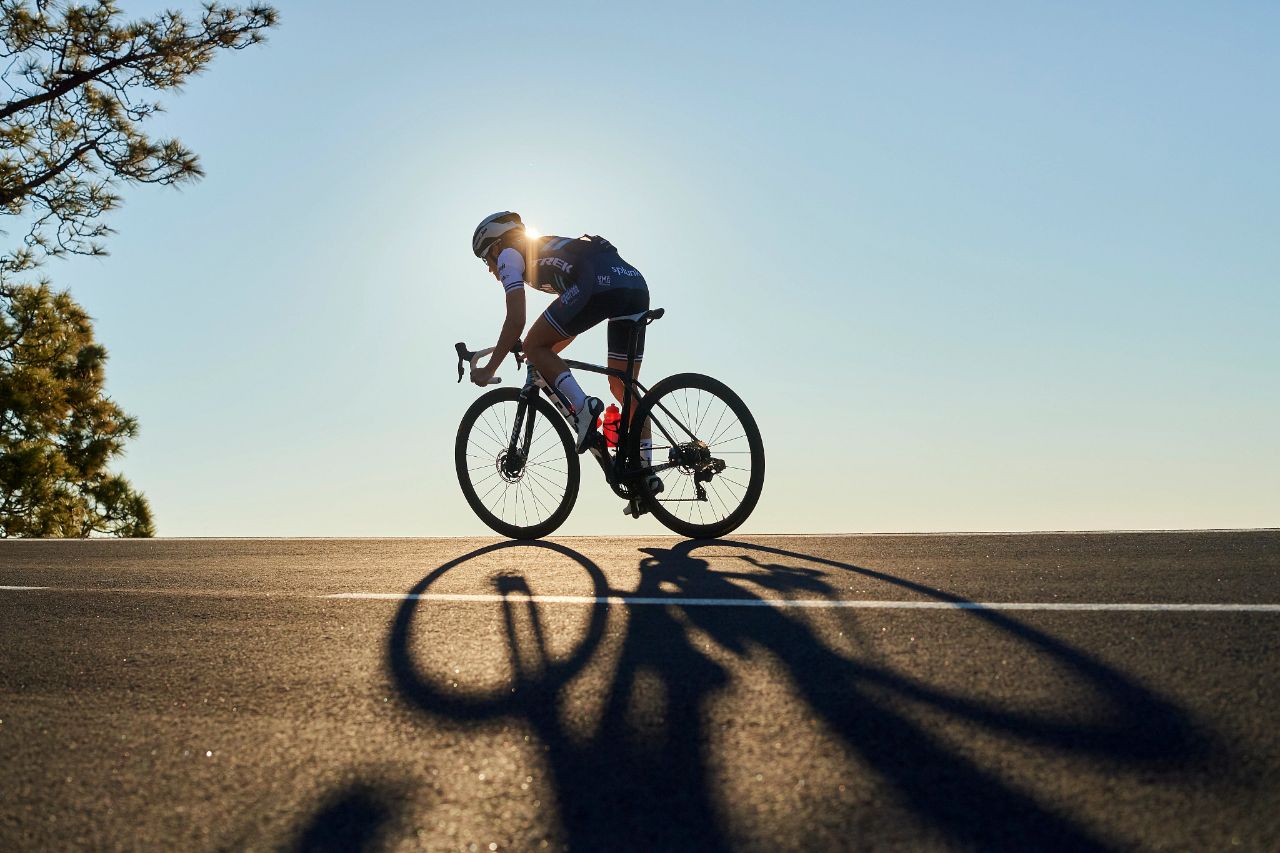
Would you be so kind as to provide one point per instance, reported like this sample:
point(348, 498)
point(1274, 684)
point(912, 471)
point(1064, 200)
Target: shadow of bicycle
point(644, 782)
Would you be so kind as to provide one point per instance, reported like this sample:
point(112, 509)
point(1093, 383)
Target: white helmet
point(491, 228)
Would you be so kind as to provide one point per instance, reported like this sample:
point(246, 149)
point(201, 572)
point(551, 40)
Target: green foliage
point(58, 430)
point(81, 78)
point(81, 81)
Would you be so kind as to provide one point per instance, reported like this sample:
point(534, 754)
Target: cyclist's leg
point(624, 303)
point(542, 345)
point(569, 316)
point(616, 386)
point(627, 304)
point(619, 339)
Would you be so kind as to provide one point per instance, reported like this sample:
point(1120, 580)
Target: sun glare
point(530, 231)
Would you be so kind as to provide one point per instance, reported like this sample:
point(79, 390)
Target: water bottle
point(612, 420)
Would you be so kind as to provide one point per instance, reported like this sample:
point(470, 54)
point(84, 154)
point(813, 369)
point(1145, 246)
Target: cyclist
point(591, 283)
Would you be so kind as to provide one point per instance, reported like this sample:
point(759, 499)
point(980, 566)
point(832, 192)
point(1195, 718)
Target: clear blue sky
point(1011, 266)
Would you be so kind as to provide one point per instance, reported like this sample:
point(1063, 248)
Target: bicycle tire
point(499, 397)
point(751, 434)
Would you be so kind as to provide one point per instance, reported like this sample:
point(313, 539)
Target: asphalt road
point(787, 693)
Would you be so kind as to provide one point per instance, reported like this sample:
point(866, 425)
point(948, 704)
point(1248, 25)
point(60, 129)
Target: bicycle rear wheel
point(524, 491)
point(710, 453)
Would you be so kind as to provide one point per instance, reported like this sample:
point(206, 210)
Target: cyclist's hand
point(481, 375)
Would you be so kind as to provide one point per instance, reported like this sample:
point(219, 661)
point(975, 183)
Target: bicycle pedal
point(635, 508)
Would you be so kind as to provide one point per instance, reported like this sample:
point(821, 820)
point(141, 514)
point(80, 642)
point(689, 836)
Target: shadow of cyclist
point(642, 783)
point(972, 806)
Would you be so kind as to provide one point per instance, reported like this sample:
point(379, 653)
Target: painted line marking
point(746, 537)
point(664, 601)
point(811, 602)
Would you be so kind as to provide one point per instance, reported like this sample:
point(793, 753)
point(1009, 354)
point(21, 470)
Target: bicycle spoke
point(715, 429)
point(496, 427)
point(715, 495)
point(486, 448)
point(497, 483)
point(543, 478)
point(698, 428)
point(523, 506)
point(727, 428)
point(725, 481)
point(482, 423)
point(541, 482)
point(502, 508)
point(548, 428)
point(556, 446)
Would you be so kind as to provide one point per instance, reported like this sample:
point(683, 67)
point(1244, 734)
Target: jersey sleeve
point(511, 269)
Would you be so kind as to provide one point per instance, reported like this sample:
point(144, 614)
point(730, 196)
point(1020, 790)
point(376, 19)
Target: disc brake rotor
point(510, 466)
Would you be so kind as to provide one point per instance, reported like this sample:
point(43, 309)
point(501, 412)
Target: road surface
point(1041, 691)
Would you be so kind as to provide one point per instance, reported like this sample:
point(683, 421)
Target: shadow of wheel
point(433, 695)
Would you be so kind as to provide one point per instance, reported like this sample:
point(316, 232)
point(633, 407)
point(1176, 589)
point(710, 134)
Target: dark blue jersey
point(555, 264)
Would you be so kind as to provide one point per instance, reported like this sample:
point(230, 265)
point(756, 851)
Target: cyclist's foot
point(637, 507)
point(585, 421)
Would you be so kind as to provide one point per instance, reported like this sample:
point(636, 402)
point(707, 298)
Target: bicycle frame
point(616, 474)
point(614, 468)
point(615, 471)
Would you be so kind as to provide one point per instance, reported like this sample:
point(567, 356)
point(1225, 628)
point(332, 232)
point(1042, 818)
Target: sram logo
point(625, 271)
point(558, 263)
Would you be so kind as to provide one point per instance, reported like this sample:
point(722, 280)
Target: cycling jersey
point(589, 278)
point(554, 264)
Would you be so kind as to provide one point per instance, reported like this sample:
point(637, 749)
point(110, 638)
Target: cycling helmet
point(491, 229)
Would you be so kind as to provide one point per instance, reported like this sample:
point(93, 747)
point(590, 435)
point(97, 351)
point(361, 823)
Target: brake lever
point(463, 357)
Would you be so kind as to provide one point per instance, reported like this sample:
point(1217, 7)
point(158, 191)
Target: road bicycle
point(518, 466)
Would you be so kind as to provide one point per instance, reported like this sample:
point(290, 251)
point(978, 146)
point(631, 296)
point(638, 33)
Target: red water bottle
point(612, 420)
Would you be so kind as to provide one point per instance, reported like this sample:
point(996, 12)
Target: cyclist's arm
point(512, 326)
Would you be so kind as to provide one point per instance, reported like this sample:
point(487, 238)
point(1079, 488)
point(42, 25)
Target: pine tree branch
point(10, 195)
point(70, 83)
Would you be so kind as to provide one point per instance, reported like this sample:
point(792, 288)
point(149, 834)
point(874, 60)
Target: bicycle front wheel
point(516, 464)
point(706, 450)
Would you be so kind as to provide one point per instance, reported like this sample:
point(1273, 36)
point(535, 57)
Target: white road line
point(161, 540)
point(661, 601)
point(809, 602)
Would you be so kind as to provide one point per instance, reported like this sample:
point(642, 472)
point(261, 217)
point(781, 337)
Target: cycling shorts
point(607, 288)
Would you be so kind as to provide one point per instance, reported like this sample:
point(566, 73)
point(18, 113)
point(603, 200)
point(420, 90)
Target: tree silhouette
point(58, 430)
point(81, 83)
